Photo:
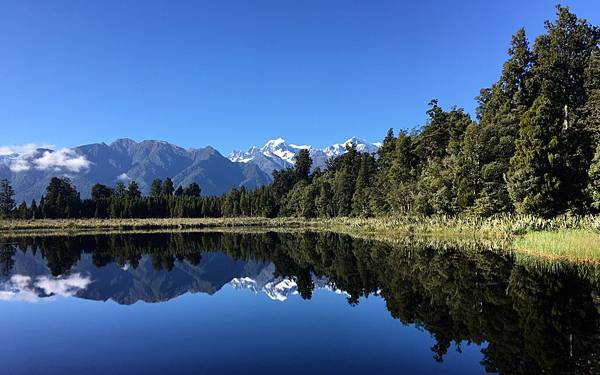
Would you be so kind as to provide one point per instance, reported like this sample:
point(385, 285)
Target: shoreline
point(562, 239)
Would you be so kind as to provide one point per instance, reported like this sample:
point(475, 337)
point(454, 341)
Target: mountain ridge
point(277, 154)
point(30, 169)
point(124, 160)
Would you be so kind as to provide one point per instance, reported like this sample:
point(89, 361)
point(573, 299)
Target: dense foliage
point(533, 149)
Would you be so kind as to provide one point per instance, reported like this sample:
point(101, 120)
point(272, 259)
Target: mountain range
point(276, 154)
point(31, 280)
point(30, 169)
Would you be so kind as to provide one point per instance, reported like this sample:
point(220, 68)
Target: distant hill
point(126, 160)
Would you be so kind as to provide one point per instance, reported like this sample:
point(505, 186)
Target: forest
point(533, 148)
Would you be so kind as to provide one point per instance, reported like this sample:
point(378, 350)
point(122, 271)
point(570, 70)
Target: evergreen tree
point(61, 200)
point(434, 190)
point(23, 212)
point(34, 210)
point(562, 55)
point(360, 198)
point(167, 188)
point(193, 190)
point(7, 202)
point(324, 204)
point(133, 190)
point(120, 190)
point(500, 111)
point(101, 192)
point(303, 165)
point(343, 191)
point(594, 180)
point(533, 183)
point(308, 208)
point(156, 188)
point(467, 180)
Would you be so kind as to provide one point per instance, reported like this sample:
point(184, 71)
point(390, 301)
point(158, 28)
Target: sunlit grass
point(576, 245)
point(75, 225)
point(573, 239)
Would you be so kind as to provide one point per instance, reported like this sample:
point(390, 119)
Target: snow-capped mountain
point(276, 154)
point(29, 169)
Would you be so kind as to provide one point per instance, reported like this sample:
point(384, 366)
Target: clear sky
point(232, 74)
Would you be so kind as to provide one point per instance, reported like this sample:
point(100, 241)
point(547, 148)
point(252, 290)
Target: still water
point(269, 303)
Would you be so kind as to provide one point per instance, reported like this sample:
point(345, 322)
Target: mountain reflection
point(529, 319)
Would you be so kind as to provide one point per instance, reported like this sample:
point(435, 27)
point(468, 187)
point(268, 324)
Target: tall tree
point(193, 190)
point(7, 202)
point(100, 192)
point(562, 55)
point(594, 180)
point(533, 181)
point(61, 199)
point(303, 165)
point(500, 110)
point(156, 188)
point(133, 190)
point(167, 188)
point(360, 198)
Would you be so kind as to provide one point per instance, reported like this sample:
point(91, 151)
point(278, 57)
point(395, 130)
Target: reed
point(567, 238)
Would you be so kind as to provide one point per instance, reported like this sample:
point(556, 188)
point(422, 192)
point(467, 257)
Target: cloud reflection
point(24, 288)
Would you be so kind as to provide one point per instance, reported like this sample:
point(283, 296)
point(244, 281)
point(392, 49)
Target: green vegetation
point(575, 239)
point(534, 150)
point(570, 245)
point(531, 151)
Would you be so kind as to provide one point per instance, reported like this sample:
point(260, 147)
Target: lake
point(289, 303)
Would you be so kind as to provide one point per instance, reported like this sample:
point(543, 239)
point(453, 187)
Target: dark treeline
point(534, 148)
point(529, 319)
point(62, 200)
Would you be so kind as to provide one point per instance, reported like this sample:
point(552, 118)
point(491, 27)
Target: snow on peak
point(277, 154)
point(274, 143)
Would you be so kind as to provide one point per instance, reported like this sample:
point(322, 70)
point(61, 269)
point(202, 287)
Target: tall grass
point(565, 238)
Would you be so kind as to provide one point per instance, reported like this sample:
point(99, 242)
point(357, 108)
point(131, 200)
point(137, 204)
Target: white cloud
point(123, 177)
point(21, 288)
point(22, 149)
point(62, 159)
point(23, 158)
point(64, 287)
point(19, 165)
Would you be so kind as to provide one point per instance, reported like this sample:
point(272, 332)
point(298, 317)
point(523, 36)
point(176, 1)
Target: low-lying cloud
point(62, 159)
point(22, 149)
point(24, 288)
point(123, 177)
point(26, 157)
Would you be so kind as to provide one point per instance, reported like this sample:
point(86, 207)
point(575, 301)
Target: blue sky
point(235, 73)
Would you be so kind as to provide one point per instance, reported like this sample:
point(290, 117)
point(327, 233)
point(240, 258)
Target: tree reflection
point(528, 319)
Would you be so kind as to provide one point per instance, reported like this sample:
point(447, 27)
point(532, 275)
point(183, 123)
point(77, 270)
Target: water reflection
point(528, 319)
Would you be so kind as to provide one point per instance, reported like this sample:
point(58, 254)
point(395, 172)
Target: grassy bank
point(48, 225)
point(565, 238)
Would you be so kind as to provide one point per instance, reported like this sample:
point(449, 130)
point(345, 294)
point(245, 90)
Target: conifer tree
point(7, 202)
point(533, 183)
point(303, 165)
point(193, 190)
point(167, 187)
point(156, 188)
point(133, 190)
point(500, 111)
point(594, 180)
point(324, 203)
